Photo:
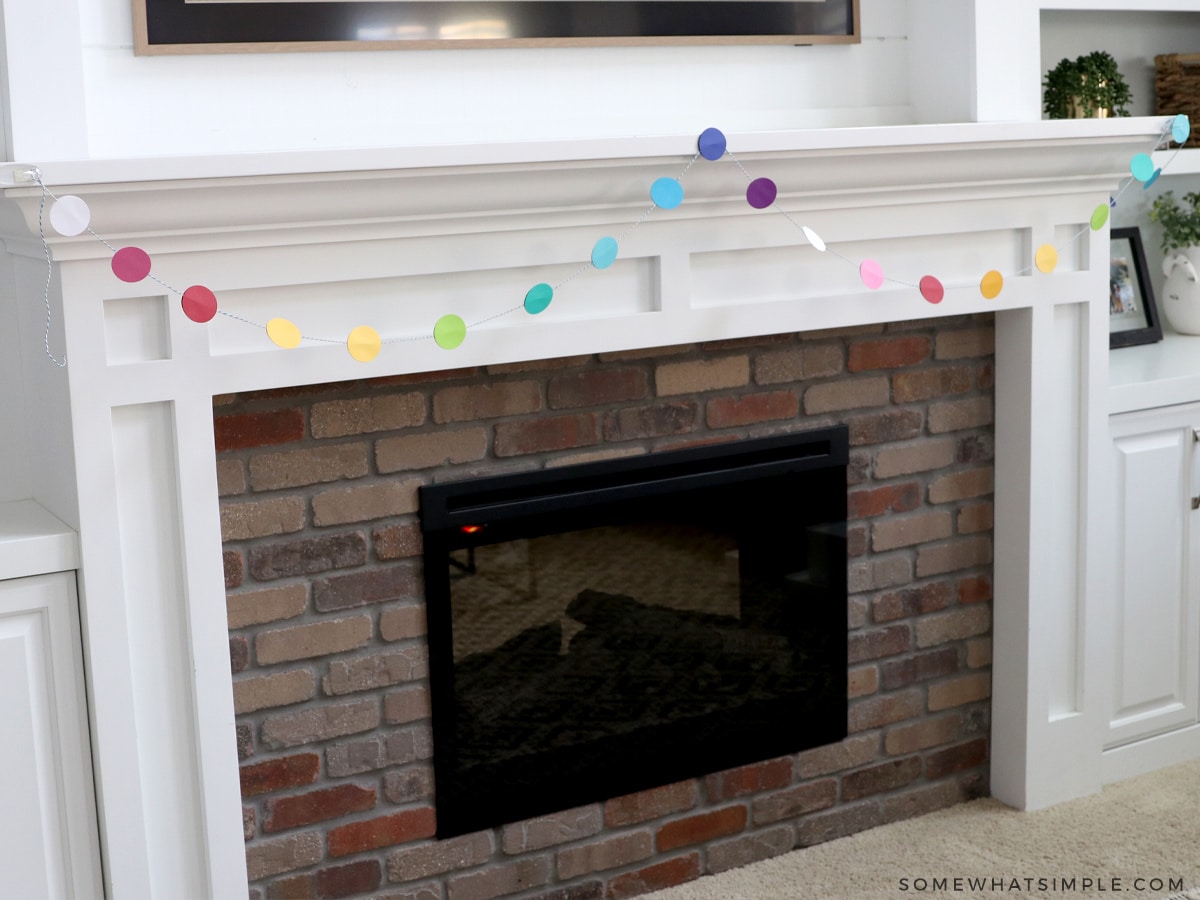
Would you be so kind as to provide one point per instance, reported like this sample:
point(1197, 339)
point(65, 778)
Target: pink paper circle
point(199, 303)
point(131, 264)
point(871, 273)
point(932, 290)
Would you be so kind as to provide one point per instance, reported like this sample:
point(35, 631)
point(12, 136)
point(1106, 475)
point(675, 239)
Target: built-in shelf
point(34, 542)
point(1154, 375)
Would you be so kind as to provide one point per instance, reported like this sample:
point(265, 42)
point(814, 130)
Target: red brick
point(878, 501)
point(879, 642)
point(546, 434)
point(752, 779)
point(660, 420)
point(731, 412)
point(889, 353)
point(884, 709)
point(653, 804)
point(884, 427)
point(486, 401)
point(597, 387)
point(377, 585)
point(276, 774)
point(344, 881)
point(956, 759)
point(307, 557)
point(884, 777)
point(862, 682)
point(294, 887)
point(235, 568)
point(975, 591)
point(961, 485)
point(921, 667)
point(661, 875)
point(912, 601)
point(239, 654)
point(795, 801)
point(386, 831)
point(317, 806)
point(701, 827)
point(242, 431)
point(397, 541)
point(501, 881)
point(927, 384)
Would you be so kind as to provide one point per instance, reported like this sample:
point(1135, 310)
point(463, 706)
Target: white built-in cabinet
point(49, 845)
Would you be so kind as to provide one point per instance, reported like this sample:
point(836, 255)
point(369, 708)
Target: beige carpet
point(1139, 838)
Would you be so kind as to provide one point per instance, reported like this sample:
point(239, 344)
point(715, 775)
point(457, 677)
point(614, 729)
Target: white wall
point(78, 92)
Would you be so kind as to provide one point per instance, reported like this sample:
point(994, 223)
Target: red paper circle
point(932, 290)
point(131, 264)
point(199, 303)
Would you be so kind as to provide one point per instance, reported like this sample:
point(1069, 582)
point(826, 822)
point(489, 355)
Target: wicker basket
point(1177, 88)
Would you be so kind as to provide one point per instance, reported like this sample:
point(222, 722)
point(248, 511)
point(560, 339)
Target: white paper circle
point(813, 238)
point(70, 215)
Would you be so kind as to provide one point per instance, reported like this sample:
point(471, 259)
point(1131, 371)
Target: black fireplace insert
point(605, 628)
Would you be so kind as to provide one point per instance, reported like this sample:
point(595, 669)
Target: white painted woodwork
point(1156, 629)
point(48, 831)
point(396, 238)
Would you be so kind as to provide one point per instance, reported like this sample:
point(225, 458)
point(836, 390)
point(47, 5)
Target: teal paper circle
point(1181, 128)
point(667, 193)
point(604, 253)
point(538, 298)
point(1142, 167)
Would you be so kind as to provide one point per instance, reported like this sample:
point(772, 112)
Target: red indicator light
point(471, 529)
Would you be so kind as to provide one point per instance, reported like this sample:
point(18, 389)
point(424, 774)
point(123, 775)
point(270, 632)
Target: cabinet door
point(1155, 668)
point(48, 834)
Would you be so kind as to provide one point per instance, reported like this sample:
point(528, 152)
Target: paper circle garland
point(70, 215)
point(1099, 217)
point(761, 193)
point(871, 273)
point(131, 264)
point(931, 289)
point(1153, 178)
point(449, 332)
point(1181, 127)
point(604, 253)
point(1142, 166)
point(991, 285)
point(813, 238)
point(538, 298)
point(1046, 258)
point(667, 193)
point(364, 343)
point(199, 303)
point(283, 334)
point(711, 144)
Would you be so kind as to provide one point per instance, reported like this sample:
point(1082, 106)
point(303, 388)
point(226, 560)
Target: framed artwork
point(228, 26)
point(1132, 315)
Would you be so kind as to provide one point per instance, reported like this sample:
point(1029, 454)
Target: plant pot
point(1181, 293)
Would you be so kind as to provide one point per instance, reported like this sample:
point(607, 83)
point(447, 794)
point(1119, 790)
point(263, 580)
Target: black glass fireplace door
point(607, 628)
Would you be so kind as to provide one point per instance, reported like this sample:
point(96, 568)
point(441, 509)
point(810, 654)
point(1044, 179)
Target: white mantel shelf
point(336, 239)
point(1154, 375)
point(34, 542)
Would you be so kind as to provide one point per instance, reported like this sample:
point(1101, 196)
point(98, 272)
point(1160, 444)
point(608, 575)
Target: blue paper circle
point(667, 193)
point(538, 298)
point(712, 143)
point(1181, 128)
point(1153, 178)
point(604, 252)
point(761, 193)
point(1142, 166)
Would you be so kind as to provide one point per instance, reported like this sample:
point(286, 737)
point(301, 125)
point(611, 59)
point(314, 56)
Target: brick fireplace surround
point(311, 503)
point(327, 629)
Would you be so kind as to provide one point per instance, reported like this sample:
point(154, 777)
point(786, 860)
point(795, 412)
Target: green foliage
point(1086, 87)
point(1181, 226)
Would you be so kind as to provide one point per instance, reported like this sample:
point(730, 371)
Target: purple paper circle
point(711, 143)
point(932, 290)
point(871, 273)
point(131, 264)
point(761, 193)
point(199, 303)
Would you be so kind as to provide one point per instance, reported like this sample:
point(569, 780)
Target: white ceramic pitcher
point(1181, 293)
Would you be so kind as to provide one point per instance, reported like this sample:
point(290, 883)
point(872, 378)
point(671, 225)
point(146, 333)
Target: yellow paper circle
point(364, 343)
point(1046, 258)
point(991, 285)
point(283, 333)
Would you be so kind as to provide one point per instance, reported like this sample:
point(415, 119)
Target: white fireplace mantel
point(118, 444)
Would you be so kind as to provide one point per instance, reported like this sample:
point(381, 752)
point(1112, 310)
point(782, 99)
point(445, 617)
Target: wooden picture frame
point(208, 26)
point(1132, 315)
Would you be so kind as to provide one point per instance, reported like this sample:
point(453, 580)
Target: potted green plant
point(1087, 87)
point(1181, 245)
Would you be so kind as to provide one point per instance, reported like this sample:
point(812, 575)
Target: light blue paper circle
point(1142, 166)
point(1153, 178)
point(711, 143)
point(667, 193)
point(604, 252)
point(538, 298)
point(1181, 128)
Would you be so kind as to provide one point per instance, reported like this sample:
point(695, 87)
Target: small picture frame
point(1132, 315)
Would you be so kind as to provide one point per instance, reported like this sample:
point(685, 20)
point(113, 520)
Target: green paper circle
point(538, 298)
point(1099, 216)
point(449, 331)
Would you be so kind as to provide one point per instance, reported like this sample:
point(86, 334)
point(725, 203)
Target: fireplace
point(605, 628)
